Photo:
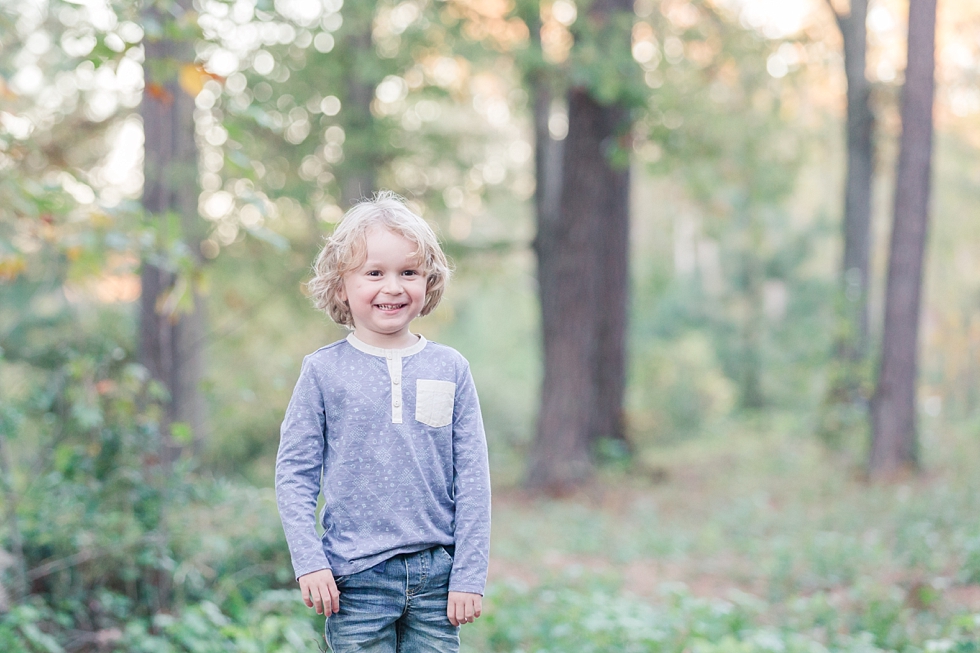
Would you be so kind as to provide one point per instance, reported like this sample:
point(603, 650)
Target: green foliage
point(562, 618)
point(677, 389)
point(970, 571)
point(126, 550)
point(20, 630)
point(831, 563)
point(89, 489)
point(272, 624)
point(353, 102)
point(716, 126)
point(578, 615)
point(109, 528)
point(602, 61)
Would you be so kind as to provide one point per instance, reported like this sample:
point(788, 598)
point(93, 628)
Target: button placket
point(394, 361)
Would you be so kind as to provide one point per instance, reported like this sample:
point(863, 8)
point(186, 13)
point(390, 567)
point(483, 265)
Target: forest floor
point(771, 517)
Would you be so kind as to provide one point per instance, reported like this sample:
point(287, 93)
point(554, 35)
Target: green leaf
point(181, 432)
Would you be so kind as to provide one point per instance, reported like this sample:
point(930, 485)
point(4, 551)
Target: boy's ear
point(342, 294)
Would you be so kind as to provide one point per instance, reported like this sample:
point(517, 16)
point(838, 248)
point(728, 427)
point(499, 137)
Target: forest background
point(734, 514)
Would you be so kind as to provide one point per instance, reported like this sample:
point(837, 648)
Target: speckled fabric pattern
point(389, 487)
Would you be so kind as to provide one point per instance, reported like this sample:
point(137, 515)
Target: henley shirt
point(394, 440)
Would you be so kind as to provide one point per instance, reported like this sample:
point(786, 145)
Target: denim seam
point(423, 577)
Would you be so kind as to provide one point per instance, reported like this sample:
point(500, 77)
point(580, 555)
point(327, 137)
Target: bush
point(970, 571)
point(676, 390)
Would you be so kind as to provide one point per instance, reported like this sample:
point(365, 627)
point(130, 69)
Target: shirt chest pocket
point(434, 402)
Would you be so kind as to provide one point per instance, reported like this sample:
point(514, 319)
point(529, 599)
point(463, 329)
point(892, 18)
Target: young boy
point(387, 426)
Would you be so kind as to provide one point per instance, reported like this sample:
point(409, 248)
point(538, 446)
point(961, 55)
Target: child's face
point(387, 291)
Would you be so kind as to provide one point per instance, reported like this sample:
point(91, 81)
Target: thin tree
point(357, 178)
point(844, 404)
point(894, 446)
point(582, 253)
point(171, 330)
point(860, 168)
point(171, 312)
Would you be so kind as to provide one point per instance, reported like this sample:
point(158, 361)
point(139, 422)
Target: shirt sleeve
point(471, 485)
point(298, 469)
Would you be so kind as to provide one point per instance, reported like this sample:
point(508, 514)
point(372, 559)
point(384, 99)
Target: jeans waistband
point(381, 566)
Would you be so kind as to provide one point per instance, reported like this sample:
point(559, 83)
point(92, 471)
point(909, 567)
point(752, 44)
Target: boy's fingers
point(305, 594)
point(317, 600)
point(334, 595)
point(464, 609)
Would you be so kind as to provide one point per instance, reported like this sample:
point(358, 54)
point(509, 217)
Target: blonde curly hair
point(346, 250)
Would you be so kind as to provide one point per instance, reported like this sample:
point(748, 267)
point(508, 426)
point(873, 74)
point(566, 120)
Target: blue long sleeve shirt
point(394, 440)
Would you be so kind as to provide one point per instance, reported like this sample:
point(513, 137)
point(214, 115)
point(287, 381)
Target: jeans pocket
point(446, 554)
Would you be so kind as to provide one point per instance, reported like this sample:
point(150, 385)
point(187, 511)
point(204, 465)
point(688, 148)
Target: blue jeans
point(397, 606)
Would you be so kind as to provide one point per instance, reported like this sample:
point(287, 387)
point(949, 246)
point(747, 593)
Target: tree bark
point(751, 393)
point(171, 341)
point(612, 295)
point(171, 337)
point(894, 447)
point(547, 158)
point(357, 176)
point(612, 225)
point(582, 264)
point(582, 247)
point(857, 193)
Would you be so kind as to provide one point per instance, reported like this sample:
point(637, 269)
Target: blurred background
point(647, 198)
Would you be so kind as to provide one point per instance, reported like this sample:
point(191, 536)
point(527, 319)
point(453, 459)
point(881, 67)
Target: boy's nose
point(392, 285)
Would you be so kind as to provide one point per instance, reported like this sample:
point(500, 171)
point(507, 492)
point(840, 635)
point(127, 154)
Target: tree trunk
point(581, 256)
point(894, 446)
point(844, 404)
point(357, 175)
point(857, 194)
point(547, 158)
point(612, 226)
point(171, 337)
point(582, 247)
point(171, 340)
point(612, 295)
point(751, 393)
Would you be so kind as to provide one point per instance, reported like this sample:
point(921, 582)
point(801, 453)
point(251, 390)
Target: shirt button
point(397, 403)
point(396, 381)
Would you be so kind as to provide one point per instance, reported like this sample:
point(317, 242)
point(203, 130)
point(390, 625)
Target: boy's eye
point(410, 273)
point(374, 273)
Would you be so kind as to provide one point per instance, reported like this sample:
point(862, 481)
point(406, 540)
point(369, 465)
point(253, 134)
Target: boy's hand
point(320, 591)
point(463, 607)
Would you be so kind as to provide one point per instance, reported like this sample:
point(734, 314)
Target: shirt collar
point(360, 345)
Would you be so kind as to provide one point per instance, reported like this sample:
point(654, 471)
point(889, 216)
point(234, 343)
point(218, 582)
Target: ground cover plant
point(758, 539)
point(735, 518)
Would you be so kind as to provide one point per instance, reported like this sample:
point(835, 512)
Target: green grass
point(755, 539)
point(760, 522)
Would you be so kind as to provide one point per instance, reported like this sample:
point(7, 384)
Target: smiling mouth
point(390, 307)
